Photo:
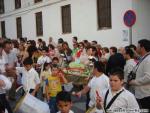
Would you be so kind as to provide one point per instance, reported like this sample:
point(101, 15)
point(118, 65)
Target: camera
point(131, 76)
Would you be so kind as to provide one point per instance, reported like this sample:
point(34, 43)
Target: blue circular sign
point(129, 18)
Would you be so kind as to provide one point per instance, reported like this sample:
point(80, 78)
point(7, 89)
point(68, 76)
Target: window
point(39, 24)
point(17, 4)
point(3, 29)
point(36, 1)
point(2, 6)
point(19, 27)
point(104, 13)
point(66, 19)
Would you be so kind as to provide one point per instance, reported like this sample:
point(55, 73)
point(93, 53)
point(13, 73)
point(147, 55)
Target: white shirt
point(69, 111)
point(6, 111)
point(99, 84)
point(43, 59)
point(2, 64)
point(128, 68)
point(29, 78)
point(15, 51)
point(125, 101)
point(7, 84)
point(142, 81)
point(10, 58)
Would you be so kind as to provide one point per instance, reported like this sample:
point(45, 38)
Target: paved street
point(79, 104)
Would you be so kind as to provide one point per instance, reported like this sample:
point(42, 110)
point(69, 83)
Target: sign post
point(129, 20)
point(130, 35)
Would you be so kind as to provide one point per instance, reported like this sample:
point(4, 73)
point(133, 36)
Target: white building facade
point(84, 21)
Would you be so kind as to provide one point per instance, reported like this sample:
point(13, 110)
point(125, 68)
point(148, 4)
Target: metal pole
point(130, 35)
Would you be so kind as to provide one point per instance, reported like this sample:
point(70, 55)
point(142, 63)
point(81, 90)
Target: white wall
point(28, 26)
point(52, 23)
point(10, 26)
point(9, 5)
point(84, 21)
point(141, 29)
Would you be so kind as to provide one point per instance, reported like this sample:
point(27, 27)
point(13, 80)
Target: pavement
point(79, 104)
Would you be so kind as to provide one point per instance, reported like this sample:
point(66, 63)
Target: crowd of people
point(119, 82)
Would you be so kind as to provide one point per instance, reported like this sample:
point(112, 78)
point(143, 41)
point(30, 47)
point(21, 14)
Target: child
point(44, 75)
point(117, 98)
point(44, 58)
point(30, 78)
point(53, 87)
point(55, 60)
point(64, 103)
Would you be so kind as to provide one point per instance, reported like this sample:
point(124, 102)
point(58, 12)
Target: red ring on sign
point(129, 18)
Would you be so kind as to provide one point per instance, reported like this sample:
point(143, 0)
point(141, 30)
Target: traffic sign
point(129, 18)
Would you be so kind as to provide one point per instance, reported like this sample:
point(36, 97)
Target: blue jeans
point(52, 105)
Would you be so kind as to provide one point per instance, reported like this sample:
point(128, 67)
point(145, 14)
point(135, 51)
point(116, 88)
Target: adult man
point(5, 84)
point(142, 80)
point(10, 57)
point(99, 83)
point(130, 62)
point(10, 60)
point(115, 60)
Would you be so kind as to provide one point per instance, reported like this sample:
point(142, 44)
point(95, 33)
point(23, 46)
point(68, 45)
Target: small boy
point(30, 78)
point(54, 86)
point(44, 58)
point(64, 102)
point(117, 98)
point(55, 60)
